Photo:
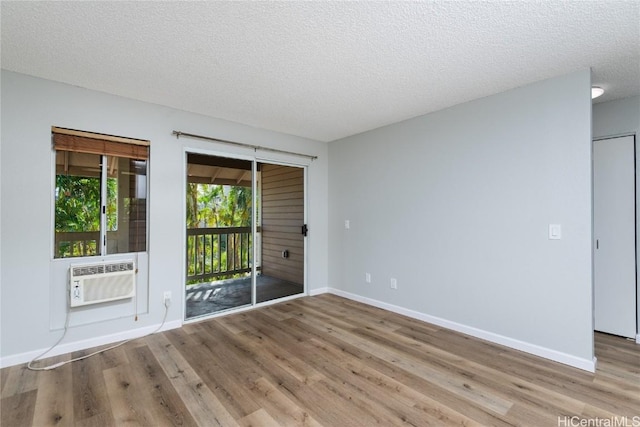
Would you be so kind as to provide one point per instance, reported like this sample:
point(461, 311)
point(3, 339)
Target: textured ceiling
point(322, 70)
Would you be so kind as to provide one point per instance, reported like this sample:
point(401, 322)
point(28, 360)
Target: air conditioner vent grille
point(123, 266)
point(88, 270)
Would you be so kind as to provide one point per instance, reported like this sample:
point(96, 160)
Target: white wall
point(622, 117)
point(456, 205)
point(619, 117)
point(32, 284)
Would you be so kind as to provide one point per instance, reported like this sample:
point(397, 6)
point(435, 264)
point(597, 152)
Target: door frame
point(305, 169)
point(637, 221)
point(254, 159)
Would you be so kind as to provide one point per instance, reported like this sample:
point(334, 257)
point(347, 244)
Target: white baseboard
point(65, 348)
point(638, 339)
point(557, 356)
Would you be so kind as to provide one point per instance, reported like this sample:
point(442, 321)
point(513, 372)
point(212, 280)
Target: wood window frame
point(76, 141)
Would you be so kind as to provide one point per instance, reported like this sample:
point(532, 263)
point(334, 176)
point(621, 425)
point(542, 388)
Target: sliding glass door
point(245, 233)
point(219, 246)
point(282, 232)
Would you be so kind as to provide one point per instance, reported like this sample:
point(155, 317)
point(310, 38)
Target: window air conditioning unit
point(101, 282)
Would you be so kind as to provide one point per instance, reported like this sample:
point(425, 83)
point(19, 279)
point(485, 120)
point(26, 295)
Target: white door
point(614, 233)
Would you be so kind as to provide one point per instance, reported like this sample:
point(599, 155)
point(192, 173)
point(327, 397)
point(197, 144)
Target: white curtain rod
point(178, 134)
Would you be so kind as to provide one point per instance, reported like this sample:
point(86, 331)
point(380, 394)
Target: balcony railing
point(87, 243)
point(221, 252)
point(218, 252)
point(76, 243)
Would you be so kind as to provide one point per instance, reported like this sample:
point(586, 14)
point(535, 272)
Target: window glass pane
point(112, 204)
point(126, 205)
point(219, 245)
point(77, 204)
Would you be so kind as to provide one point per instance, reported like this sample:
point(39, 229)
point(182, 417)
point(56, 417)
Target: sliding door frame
point(305, 169)
point(254, 162)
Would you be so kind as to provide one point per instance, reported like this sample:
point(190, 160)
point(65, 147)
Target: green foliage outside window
point(77, 209)
point(210, 205)
point(216, 206)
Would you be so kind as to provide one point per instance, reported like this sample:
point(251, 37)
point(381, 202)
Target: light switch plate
point(347, 224)
point(555, 231)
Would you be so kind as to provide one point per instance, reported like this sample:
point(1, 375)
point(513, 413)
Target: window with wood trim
point(100, 194)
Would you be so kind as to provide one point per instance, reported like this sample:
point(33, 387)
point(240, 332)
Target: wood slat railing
point(76, 243)
point(218, 252)
point(215, 252)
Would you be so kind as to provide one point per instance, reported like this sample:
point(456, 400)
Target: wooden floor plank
point(199, 351)
point(203, 405)
point(348, 316)
point(321, 361)
point(259, 363)
point(525, 368)
point(260, 418)
point(235, 324)
point(19, 380)
point(399, 401)
point(167, 405)
point(129, 398)
point(281, 409)
point(54, 406)
point(558, 379)
point(91, 401)
point(450, 399)
point(4, 375)
point(338, 380)
point(466, 387)
point(531, 397)
point(18, 409)
point(278, 354)
point(272, 311)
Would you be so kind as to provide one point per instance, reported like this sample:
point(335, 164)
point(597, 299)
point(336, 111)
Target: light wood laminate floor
point(323, 361)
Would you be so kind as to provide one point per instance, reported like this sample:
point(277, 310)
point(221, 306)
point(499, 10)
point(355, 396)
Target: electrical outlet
point(367, 277)
point(394, 283)
point(166, 297)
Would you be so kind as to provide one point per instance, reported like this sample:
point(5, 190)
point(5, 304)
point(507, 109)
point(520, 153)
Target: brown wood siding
point(137, 216)
point(282, 220)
